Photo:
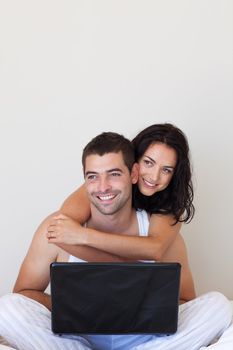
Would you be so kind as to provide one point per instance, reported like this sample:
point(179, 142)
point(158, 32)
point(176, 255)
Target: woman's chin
point(147, 191)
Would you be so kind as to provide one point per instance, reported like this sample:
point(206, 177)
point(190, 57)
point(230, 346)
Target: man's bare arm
point(34, 274)
point(177, 253)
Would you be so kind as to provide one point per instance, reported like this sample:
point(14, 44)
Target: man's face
point(108, 182)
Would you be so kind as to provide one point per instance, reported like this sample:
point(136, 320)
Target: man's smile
point(106, 197)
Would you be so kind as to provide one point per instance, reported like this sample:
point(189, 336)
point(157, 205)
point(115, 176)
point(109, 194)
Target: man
point(109, 172)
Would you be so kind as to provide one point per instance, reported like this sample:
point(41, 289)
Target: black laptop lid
point(114, 298)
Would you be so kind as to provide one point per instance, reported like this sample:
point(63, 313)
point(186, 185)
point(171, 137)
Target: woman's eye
point(147, 162)
point(167, 171)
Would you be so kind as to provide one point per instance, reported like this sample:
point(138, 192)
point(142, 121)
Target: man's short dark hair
point(110, 142)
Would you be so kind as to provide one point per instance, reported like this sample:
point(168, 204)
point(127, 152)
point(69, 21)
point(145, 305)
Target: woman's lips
point(149, 184)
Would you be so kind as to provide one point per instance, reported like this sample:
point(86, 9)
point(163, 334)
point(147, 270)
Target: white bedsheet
point(225, 342)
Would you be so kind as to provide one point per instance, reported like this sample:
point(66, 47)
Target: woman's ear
point(134, 173)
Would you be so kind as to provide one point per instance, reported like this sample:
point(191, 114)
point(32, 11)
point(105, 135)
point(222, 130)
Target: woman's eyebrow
point(169, 166)
point(165, 166)
point(151, 159)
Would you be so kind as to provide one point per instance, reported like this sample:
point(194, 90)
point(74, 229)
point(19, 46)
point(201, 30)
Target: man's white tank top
point(143, 224)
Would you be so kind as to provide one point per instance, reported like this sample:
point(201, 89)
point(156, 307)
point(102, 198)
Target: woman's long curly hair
point(177, 198)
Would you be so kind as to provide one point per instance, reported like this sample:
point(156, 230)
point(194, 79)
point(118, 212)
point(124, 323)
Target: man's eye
point(91, 177)
point(115, 174)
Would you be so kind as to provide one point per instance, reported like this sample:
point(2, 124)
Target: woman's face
point(156, 168)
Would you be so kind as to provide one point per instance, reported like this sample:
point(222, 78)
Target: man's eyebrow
point(108, 171)
point(114, 169)
point(165, 166)
point(90, 172)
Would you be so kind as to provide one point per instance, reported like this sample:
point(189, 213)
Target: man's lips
point(106, 197)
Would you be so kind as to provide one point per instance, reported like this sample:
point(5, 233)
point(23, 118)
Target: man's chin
point(106, 210)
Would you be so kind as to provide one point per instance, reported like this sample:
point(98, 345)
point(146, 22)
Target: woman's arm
point(65, 232)
point(77, 206)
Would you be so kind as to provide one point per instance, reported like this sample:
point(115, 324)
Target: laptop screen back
point(114, 298)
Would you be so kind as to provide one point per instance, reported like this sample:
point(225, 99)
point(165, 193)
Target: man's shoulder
point(143, 222)
point(40, 241)
point(143, 214)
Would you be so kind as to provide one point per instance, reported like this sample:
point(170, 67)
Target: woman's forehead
point(162, 152)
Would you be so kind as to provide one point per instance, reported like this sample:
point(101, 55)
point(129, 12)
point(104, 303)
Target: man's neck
point(122, 221)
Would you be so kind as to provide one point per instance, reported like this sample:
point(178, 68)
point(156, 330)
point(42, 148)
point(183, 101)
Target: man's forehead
point(106, 162)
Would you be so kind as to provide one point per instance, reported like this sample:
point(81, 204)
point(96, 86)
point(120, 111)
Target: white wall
point(71, 69)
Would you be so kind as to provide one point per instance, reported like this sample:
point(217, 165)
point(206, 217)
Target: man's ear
point(134, 173)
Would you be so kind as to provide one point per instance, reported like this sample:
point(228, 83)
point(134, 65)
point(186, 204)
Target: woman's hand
point(63, 229)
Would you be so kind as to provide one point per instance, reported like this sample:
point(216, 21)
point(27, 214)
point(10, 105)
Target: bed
point(224, 343)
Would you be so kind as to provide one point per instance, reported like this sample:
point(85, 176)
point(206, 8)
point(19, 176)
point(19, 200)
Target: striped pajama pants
point(26, 325)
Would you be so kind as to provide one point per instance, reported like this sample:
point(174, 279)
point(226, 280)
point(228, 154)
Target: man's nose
point(104, 184)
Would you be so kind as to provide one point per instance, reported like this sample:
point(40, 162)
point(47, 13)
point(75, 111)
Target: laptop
point(114, 298)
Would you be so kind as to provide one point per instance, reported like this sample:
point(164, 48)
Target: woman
point(161, 164)
point(164, 189)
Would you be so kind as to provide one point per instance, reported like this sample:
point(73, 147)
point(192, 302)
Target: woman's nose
point(154, 175)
